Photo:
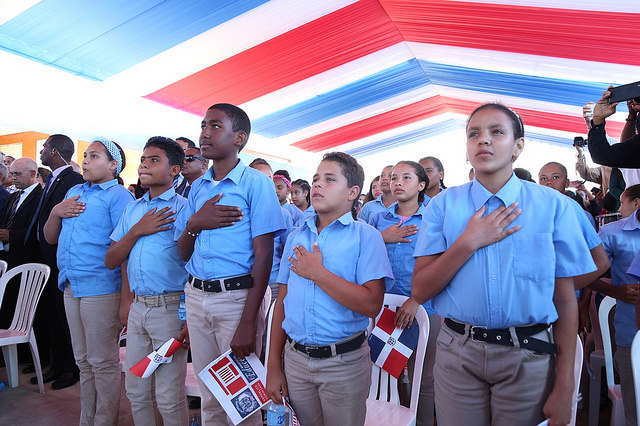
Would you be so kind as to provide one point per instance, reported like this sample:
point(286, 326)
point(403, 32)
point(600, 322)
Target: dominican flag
point(294, 418)
point(391, 347)
point(148, 365)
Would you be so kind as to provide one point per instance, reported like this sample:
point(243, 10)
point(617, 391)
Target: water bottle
point(195, 420)
point(3, 385)
point(182, 312)
point(276, 415)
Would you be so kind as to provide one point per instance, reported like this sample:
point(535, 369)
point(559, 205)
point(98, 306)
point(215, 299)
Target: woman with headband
point(81, 226)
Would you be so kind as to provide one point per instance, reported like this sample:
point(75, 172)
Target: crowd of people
point(504, 267)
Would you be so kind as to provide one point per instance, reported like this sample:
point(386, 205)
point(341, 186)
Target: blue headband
point(113, 150)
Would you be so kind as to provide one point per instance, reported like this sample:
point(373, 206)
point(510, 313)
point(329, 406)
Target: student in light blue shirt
point(621, 241)
point(383, 201)
point(282, 183)
point(225, 233)
point(81, 225)
point(497, 257)
point(399, 225)
point(435, 172)
point(156, 275)
point(331, 282)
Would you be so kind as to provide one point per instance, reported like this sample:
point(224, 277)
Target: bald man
point(18, 247)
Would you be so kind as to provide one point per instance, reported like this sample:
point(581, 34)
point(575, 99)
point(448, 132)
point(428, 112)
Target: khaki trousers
point(478, 383)
point(622, 359)
point(94, 326)
point(149, 328)
point(328, 391)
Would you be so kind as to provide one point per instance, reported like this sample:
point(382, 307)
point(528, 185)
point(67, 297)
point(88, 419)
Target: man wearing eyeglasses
point(194, 167)
point(19, 247)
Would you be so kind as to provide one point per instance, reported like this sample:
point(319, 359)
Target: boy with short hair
point(229, 249)
point(331, 282)
point(157, 276)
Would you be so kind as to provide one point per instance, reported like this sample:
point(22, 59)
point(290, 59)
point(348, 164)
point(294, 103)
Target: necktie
point(34, 219)
point(185, 194)
point(13, 209)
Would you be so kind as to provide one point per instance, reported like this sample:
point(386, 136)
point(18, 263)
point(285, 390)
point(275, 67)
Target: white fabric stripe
point(329, 80)
point(386, 350)
point(242, 32)
point(520, 63)
point(598, 5)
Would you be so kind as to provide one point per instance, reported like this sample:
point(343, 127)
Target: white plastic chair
point(635, 366)
point(3, 267)
point(577, 374)
point(615, 394)
point(596, 363)
point(191, 381)
point(33, 277)
point(383, 403)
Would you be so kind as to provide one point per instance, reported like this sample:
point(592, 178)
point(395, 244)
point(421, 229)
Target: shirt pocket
point(534, 256)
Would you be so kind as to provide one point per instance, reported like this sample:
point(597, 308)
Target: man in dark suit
point(56, 154)
point(19, 247)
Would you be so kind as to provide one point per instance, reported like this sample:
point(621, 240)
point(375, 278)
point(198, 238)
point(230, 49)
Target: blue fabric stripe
point(438, 129)
point(375, 88)
point(99, 39)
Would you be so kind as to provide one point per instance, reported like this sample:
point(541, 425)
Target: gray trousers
point(622, 360)
point(479, 383)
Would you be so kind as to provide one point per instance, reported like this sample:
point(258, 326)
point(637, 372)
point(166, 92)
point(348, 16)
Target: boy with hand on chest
point(149, 306)
point(331, 282)
point(228, 248)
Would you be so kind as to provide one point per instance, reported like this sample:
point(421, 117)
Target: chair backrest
point(33, 277)
point(268, 341)
point(635, 367)
point(3, 267)
point(577, 374)
point(603, 317)
point(383, 385)
point(595, 323)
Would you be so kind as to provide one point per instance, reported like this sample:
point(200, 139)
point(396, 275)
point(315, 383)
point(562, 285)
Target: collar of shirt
point(59, 170)
point(234, 175)
point(507, 194)
point(345, 219)
point(104, 185)
point(390, 212)
point(166, 195)
point(632, 222)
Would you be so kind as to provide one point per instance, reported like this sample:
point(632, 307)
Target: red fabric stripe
point(578, 34)
point(394, 364)
point(432, 107)
point(140, 368)
point(385, 323)
point(325, 43)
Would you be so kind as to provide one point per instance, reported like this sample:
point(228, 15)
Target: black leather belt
point(502, 336)
point(227, 284)
point(330, 350)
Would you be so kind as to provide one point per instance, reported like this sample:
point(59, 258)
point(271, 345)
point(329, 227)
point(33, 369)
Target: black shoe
point(66, 380)
point(29, 369)
point(194, 404)
point(47, 377)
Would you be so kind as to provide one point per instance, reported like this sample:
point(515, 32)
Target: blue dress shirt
point(621, 241)
point(400, 254)
point(227, 252)
point(296, 214)
point(153, 266)
point(278, 244)
point(371, 209)
point(350, 249)
point(511, 282)
point(84, 240)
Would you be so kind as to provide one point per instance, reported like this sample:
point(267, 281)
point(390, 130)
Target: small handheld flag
point(391, 347)
point(163, 355)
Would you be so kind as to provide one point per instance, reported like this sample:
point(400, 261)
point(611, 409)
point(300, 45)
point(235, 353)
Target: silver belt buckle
point(472, 334)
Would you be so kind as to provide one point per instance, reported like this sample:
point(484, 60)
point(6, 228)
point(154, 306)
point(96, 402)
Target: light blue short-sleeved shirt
point(621, 241)
point(153, 266)
point(296, 214)
point(278, 244)
point(84, 240)
point(400, 254)
point(350, 249)
point(511, 282)
point(227, 252)
point(371, 208)
point(306, 214)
